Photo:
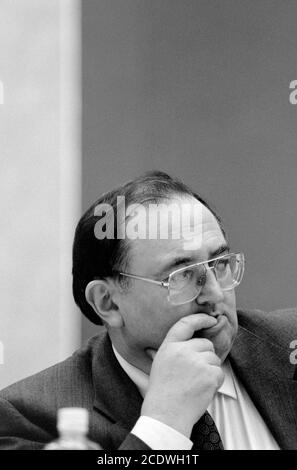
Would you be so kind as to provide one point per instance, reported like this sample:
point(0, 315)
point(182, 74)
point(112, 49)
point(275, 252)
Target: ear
point(100, 295)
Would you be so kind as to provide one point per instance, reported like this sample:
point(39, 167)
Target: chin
point(222, 353)
point(222, 344)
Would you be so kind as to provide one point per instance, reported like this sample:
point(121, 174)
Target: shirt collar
point(141, 380)
point(228, 386)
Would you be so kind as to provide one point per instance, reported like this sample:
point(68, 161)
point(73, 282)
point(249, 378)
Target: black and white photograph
point(148, 228)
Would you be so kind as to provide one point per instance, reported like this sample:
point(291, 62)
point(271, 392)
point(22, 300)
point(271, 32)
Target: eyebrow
point(186, 260)
point(224, 247)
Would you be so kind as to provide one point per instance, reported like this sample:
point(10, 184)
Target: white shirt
point(239, 423)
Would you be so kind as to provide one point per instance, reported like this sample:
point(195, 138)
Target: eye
point(222, 264)
point(187, 274)
point(178, 280)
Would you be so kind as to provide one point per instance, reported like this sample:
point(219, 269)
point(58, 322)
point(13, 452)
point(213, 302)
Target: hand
point(185, 375)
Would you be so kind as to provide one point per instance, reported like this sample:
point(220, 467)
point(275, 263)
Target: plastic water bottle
point(73, 426)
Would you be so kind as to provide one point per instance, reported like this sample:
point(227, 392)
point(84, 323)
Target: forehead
point(192, 231)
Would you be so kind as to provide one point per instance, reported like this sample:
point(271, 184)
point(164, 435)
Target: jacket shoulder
point(279, 326)
point(28, 408)
point(53, 380)
point(67, 383)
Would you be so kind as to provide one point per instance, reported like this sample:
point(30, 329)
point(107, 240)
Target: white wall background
point(39, 181)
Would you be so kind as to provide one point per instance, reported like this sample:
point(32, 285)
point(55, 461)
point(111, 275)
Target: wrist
point(179, 424)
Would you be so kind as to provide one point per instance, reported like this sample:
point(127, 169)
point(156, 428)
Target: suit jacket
point(92, 378)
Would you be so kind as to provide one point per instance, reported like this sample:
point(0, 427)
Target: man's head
point(138, 314)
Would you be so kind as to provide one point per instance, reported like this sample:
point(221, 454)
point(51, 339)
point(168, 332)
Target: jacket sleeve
point(133, 443)
point(17, 431)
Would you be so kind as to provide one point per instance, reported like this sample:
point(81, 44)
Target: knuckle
point(217, 359)
point(214, 358)
point(216, 376)
point(208, 344)
point(220, 377)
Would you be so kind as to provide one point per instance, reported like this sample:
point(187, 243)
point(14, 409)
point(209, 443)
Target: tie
point(205, 434)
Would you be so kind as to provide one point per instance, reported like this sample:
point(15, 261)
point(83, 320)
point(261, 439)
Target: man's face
point(146, 311)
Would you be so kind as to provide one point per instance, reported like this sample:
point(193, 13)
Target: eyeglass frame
point(165, 284)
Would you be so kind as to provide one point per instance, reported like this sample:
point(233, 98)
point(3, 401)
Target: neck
point(136, 356)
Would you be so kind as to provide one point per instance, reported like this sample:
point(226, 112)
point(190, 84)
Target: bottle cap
point(73, 419)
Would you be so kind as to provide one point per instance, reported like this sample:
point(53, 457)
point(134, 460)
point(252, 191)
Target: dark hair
point(95, 258)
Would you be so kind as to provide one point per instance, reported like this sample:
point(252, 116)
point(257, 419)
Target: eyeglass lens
point(186, 284)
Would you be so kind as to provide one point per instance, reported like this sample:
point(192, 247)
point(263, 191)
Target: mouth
point(222, 320)
point(213, 330)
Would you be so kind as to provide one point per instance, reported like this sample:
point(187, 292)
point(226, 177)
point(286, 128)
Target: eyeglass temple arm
point(159, 283)
point(166, 284)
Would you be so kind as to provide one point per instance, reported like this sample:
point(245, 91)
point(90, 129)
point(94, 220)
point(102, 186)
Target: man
point(174, 364)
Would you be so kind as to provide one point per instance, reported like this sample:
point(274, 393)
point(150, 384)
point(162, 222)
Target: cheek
point(139, 310)
point(232, 313)
point(149, 316)
point(230, 301)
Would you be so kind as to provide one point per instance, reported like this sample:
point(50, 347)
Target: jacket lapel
point(116, 396)
point(265, 371)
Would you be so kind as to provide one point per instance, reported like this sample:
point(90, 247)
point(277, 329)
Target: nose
point(211, 292)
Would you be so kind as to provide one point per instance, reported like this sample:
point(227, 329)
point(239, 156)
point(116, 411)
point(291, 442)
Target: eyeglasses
point(185, 284)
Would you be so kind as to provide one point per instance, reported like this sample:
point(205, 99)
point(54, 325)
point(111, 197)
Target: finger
point(184, 328)
point(151, 353)
point(219, 374)
point(210, 357)
point(200, 344)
